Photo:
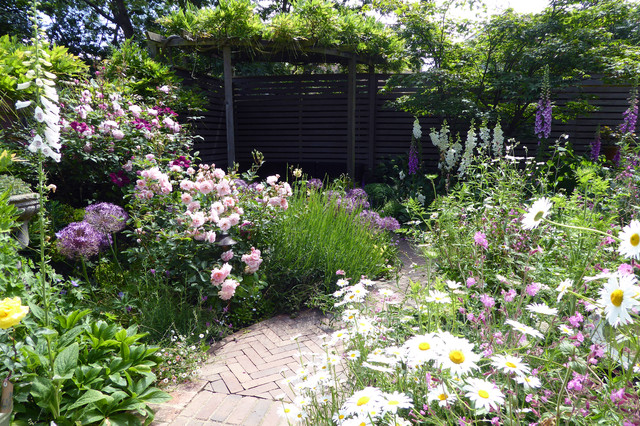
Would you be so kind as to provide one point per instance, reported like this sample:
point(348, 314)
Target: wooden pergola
point(273, 52)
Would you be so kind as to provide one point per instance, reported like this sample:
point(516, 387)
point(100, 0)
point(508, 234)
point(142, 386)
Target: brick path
point(241, 384)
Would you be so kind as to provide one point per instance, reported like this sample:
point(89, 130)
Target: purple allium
point(389, 223)
point(314, 183)
point(358, 193)
point(595, 148)
point(106, 217)
point(80, 239)
point(413, 160)
point(120, 178)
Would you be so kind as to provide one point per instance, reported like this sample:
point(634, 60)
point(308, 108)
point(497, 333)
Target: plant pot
point(27, 205)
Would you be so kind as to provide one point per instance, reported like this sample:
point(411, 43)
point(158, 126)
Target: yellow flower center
point(424, 346)
point(510, 364)
point(443, 396)
point(287, 410)
point(456, 357)
point(634, 240)
point(484, 394)
point(616, 297)
point(363, 400)
point(538, 215)
point(393, 402)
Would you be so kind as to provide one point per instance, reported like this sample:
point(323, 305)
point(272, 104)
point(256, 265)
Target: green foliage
point(14, 54)
point(13, 185)
point(314, 239)
point(312, 23)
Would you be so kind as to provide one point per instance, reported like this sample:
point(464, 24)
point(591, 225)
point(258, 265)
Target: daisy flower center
point(538, 216)
point(510, 364)
point(483, 393)
point(634, 240)
point(287, 410)
point(363, 400)
point(616, 297)
point(393, 402)
point(424, 346)
point(443, 396)
point(457, 357)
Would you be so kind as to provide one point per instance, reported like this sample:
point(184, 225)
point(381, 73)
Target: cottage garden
point(141, 256)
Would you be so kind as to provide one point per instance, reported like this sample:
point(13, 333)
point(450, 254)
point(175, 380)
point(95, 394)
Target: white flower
point(524, 329)
point(457, 355)
point(483, 394)
point(511, 364)
point(539, 210)
point(420, 349)
point(23, 86)
point(401, 175)
point(441, 394)
point(22, 104)
point(563, 287)
point(565, 329)
point(617, 298)
point(436, 296)
point(529, 382)
point(417, 131)
point(630, 244)
point(541, 308)
point(394, 401)
point(364, 401)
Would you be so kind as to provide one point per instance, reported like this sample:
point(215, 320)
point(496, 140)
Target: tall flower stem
point(581, 228)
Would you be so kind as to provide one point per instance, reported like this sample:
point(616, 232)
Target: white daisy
point(529, 382)
point(441, 394)
point(541, 308)
point(438, 297)
point(355, 354)
point(630, 244)
point(617, 299)
point(457, 355)
point(511, 364)
point(290, 412)
point(363, 401)
point(565, 329)
point(422, 348)
point(339, 417)
point(539, 210)
point(483, 394)
point(395, 401)
point(524, 329)
point(563, 287)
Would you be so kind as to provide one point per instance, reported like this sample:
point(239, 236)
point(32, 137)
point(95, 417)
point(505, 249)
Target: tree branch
point(99, 11)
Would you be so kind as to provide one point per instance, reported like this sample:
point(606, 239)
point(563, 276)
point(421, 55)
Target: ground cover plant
point(528, 315)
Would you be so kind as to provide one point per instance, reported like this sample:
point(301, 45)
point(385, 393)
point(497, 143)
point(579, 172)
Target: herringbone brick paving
point(241, 384)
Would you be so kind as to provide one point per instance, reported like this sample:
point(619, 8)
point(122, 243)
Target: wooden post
point(228, 106)
point(373, 91)
point(351, 120)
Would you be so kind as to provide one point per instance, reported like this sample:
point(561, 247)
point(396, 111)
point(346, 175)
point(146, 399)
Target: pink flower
point(197, 219)
point(271, 180)
point(186, 198)
point(117, 134)
point(210, 237)
point(471, 282)
point(227, 256)
point(228, 289)
point(218, 173)
point(481, 239)
point(218, 275)
point(252, 260)
point(194, 206)
point(224, 224)
point(625, 269)
point(533, 289)
point(340, 272)
point(205, 186)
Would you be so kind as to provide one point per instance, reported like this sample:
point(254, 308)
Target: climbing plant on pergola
point(314, 31)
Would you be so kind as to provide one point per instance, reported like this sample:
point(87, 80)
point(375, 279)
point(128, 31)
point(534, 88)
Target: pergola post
point(373, 91)
point(351, 120)
point(228, 105)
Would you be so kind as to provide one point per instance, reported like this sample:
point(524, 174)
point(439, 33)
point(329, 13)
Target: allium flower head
point(617, 298)
point(80, 240)
point(106, 217)
point(630, 244)
point(539, 210)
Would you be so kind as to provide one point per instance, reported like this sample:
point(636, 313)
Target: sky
point(521, 6)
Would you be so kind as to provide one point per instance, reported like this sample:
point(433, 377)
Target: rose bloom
point(11, 312)
point(228, 289)
point(218, 275)
point(117, 134)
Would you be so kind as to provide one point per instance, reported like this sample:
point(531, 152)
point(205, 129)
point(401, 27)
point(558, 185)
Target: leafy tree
point(497, 73)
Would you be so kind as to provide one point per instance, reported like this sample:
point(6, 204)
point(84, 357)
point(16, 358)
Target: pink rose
point(252, 260)
point(228, 289)
point(218, 275)
point(227, 256)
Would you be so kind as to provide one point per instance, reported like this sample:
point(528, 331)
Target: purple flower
point(543, 118)
point(120, 178)
point(533, 289)
point(487, 301)
point(182, 161)
point(357, 193)
point(630, 117)
point(595, 148)
point(106, 217)
point(481, 239)
point(80, 239)
point(314, 183)
point(413, 160)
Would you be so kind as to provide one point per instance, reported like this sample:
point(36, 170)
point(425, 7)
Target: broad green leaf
point(66, 362)
point(88, 397)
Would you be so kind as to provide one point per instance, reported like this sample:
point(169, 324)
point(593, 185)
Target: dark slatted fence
point(302, 120)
